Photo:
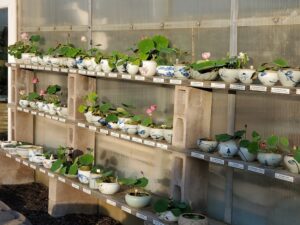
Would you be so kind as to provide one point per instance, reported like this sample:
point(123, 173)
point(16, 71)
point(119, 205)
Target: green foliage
point(208, 65)
point(107, 177)
point(111, 118)
point(53, 89)
point(86, 160)
point(177, 208)
point(139, 183)
point(281, 63)
point(297, 154)
point(135, 60)
point(104, 108)
point(20, 47)
point(83, 108)
point(33, 96)
point(56, 165)
point(275, 65)
point(226, 137)
point(253, 145)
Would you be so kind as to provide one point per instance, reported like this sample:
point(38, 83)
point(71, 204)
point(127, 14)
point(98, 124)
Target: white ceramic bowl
point(228, 149)
point(148, 68)
point(84, 176)
point(246, 76)
point(130, 129)
point(24, 103)
point(132, 69)
point(246, 155)
point(157, 134)
point(137, 201)
point(291, 164)
point(268, 78)
point(109, 188)
point(229, 75)
point(105, 66)
point(269, 159)
point(181, 72)
point(168, 135)
point(208, 76)
point(289, 77)
point(207, 145)
point(143, 131)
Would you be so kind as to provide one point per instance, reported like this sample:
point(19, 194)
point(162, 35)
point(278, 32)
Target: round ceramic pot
point(24, 103)
point(121, 68)
point(40, 105)
point(268, 78)
point(93, 180)
point(148, 68)
point(180, 71)
point(206, 145)
point(46, 108)
point(109, 188)
point(208, 76)
point(26, 151)
point(130, 128)
point(89, 116)
point(269, 159)
point(90, 63)
point(37, 159)
point(47, 163)
point(55, 61)
point(105, 66)
point(70, 63)
point(227, 149)
point(246, 76)
point(35, 60)
point(289, 77)
point(157, 134)
point(26, 57)
point(96, 120)
point(79, 63)
point(112, 125)
point(291, 164)
point(192, 219)
point(122, 121)
point(137, 201)
point(63, 61)
point(52, 108)
point(132, 69)
point(229, 76)
point(62, 111)
point(5, 144)
point(84, 176)
point(143, 131)
point(246, 155)
point(46, 60)
point(168, 135)
point(168, 216)
point(18, 61)
point(33, 105)
point(166, 71)
point(98, 68)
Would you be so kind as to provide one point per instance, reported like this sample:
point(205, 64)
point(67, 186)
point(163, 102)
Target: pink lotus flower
point(25, 36)
point(153, 107)
point(149, 112)
point(83, 39)
point(42, 92)
point(35, 80)
point(205, 55)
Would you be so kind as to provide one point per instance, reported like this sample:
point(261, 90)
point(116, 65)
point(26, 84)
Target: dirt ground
point(34, 206)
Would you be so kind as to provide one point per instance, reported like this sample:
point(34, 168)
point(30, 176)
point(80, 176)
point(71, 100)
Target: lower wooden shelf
point(117, 200)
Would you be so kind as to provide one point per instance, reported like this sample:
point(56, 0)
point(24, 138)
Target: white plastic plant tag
point(41, 68)
point(173, 81)
point(61, 179)
point(63, 120)
point(22, 66)
point(48, 117)
point(216, 160)
point(81, 125)
point(42, 170)
point(125, 137)
point(64, 70)
point(50, 175)
point(54, 117)
point(93, 128)
point(126, 76)
point(19, 108)
point(33, 112)
point(48, 68)
point(138, 140)
point(161, 145)
point(149, 143)
point(111, 202)
point(76, 186)
point(197, 84)
point(240, 87)
point(8, 155)
point(298, 91)
point(32, 166)
point(91, 73)
point(114, 134)
point(138, 77)
point(34, 67)
point(258, 88)
point(55, 69)
point(103, 131)
point(284, 177)
point(28, 66)
point(41, 114)
point(18, 160)
point(101, 74)
point(125, 209)
point(280, 90)
point(197, 155)
point(236, 165)
point(158, 80)
point(87, 191)
point(218, 85)
point(256, 169)
point(82, 72)
point(26, 110)
point(25, 163)
point(113, 75)
point(73, 71)
point(141, 216)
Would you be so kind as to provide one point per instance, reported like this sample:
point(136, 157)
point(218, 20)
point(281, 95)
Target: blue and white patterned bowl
point(130, 128)
point(228, 149)
point(83, 176)
point(246, 155)
point(289, 77)
point(269, 159)
point(157, 134)
point(143, 131)
point(229, 75)
point(181, 72)
point(268, 78)
point(291, 164)
point(246, 76)
point(207, 145)
point(166, 71)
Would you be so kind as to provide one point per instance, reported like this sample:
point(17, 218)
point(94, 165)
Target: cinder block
point(84, 139)
point(192, 116)
point(63, 199)
point(23, 127)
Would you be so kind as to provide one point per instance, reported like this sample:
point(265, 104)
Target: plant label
point(100, 74)
point(19, 109)
point(41, 68)
point(158, 80)
point(125, 209)
point(73, 71)
point(55, 69)
point(48, 117)
point(113, 75)
point(81, 125)
point(284, 177)
point(298, 91)
point(103, 131)
point(48, 68)
point(218, 85)
point(138, 77)
point(63, 120)
point(236, 165)
point(34, 67)
point(114, 134)
point(161, 145)
point(216, 160)
point(137, 140)
point(141, 216)
point(240, 87)
point(126, 76)
point(156, 222)
point(197, 84)
point(91, 73)
point(64, 70)
point(25, 163)
point(149, 143)
point(280, 90)
point(54, 117)
point(22, 66)
point(76, 186)
point(61, 179)
point(126, 137)
point(87, 191)
point(26, 110)
point(41, 114)
point(8, 155)
point(18, 160)
point(42, 170)
point(93, 128)
point(258, 88)
point(28, 66)
point(172, 81)
point(33, 112)
point(82, 72)
point(111, 202)
point(51, 175)
point(32, 166)
point(197, 155)
point(256, 169)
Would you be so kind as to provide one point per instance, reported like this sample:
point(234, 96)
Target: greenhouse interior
point(149, 112)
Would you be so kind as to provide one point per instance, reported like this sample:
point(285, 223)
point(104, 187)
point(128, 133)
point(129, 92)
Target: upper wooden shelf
point(219, 85)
